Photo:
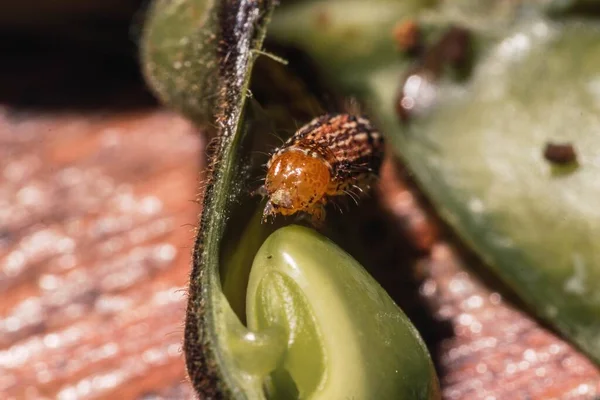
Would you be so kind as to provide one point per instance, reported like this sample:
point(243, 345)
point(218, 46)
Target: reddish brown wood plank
point(96, 217)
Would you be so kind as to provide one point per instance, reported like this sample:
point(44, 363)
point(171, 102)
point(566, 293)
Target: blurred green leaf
point(179, 51)
point(488, 178)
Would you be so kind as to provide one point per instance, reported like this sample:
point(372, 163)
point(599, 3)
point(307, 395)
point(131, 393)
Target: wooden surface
point(97, 190)
point(95, 232)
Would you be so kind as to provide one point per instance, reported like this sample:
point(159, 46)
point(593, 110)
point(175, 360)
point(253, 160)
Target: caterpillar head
point(295, 182)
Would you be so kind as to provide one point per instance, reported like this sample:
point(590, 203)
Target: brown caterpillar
point(330, 156)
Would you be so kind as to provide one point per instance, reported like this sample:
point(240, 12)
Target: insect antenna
point(343, 202)
point(352, 107)
point(315, 108)
point(337, 206)
point(352, 195)
point(358, 188)
point(259, 191)
point(258, 180)
point(262, 153)
point(296, 127)
point(277, 137)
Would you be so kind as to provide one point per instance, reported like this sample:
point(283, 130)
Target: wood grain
point(96, 218)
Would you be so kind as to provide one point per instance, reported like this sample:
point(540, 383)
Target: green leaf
point(178, 50)
point(581, 7)
point(533, 225)
point(352, 39)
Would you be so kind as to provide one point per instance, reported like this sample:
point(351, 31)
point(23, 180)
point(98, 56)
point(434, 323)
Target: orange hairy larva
point(333, 155)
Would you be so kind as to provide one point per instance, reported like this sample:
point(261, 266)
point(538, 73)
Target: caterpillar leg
point(317, 215)
point(269, 212)
point(260, 191)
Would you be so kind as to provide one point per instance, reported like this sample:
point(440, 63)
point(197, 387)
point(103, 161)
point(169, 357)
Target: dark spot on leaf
point(455, 45)
point(452, 50)
point(560, 153)
point(408, 38)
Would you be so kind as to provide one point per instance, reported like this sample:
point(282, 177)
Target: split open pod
point(275, 310)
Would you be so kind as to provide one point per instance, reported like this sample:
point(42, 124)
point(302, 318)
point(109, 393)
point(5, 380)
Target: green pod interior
point(346, 337)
